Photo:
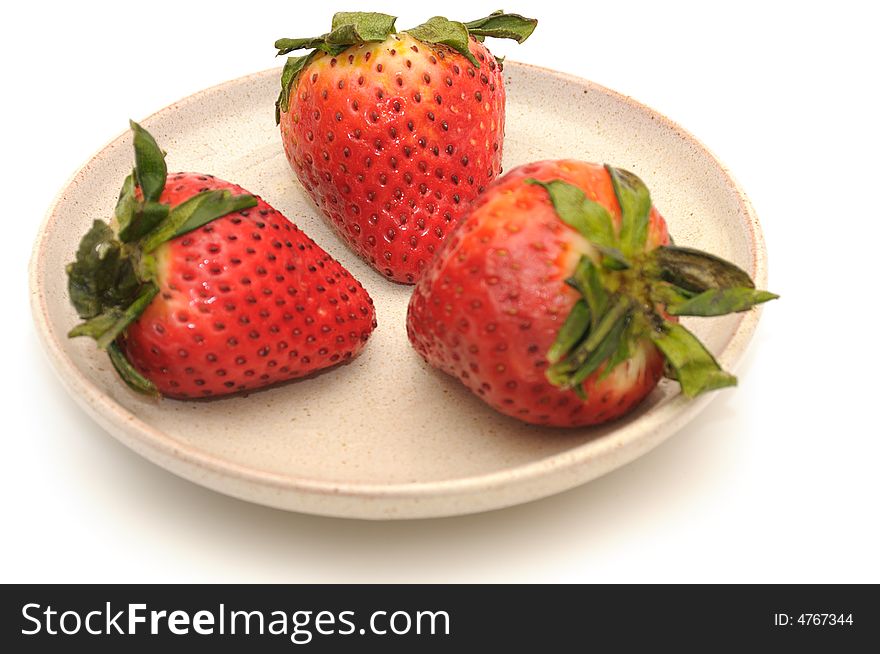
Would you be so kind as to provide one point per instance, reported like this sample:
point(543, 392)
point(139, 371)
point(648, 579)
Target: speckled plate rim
point(465, 495)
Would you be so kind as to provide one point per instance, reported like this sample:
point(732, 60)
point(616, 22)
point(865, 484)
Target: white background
point(776, 481)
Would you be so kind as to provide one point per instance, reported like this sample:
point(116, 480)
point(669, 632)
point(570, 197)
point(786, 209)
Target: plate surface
point(386, 436)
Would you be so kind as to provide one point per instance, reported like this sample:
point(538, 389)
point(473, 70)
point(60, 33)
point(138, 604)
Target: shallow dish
point(386, 436)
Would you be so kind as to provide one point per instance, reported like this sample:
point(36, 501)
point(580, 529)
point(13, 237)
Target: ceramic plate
point(386, 436)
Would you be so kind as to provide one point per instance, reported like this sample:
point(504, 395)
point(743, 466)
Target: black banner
point(435, 618)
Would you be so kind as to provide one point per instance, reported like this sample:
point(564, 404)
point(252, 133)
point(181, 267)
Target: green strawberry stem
point(626, 292)
point(354, 27)
point(112, 280)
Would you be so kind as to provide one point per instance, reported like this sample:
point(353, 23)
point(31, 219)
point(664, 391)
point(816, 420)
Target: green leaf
point(98, 325)
point(446, 32)
point(144, 219)
point(571, 332)
point(348, 28)
point(292, 68)
point(193, 213)
point(620, 355)
point(589, 218)
point(102, 275)
point(351, 27)
point(635, 207)
point(126, 202)
point(286, 46)
point(694, 366)
point(613, 259)
point(720, 301)
point(212, 205)
point(588, 281)
point(129, 314)
point(93, 249)
point(560, 374)
point(697, 271)
point(605, 351)
point(135, 380)
point(669, 295)
point(150, 170)
point(106, 327)
point(503, 26)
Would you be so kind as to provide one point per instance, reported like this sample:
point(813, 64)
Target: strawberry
point(392, 134)
point(555, 299)
point(200, 289)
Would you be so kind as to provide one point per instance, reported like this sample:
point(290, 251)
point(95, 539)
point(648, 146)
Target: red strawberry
point(393, 134)
point(554, 298)
point(203, 290)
